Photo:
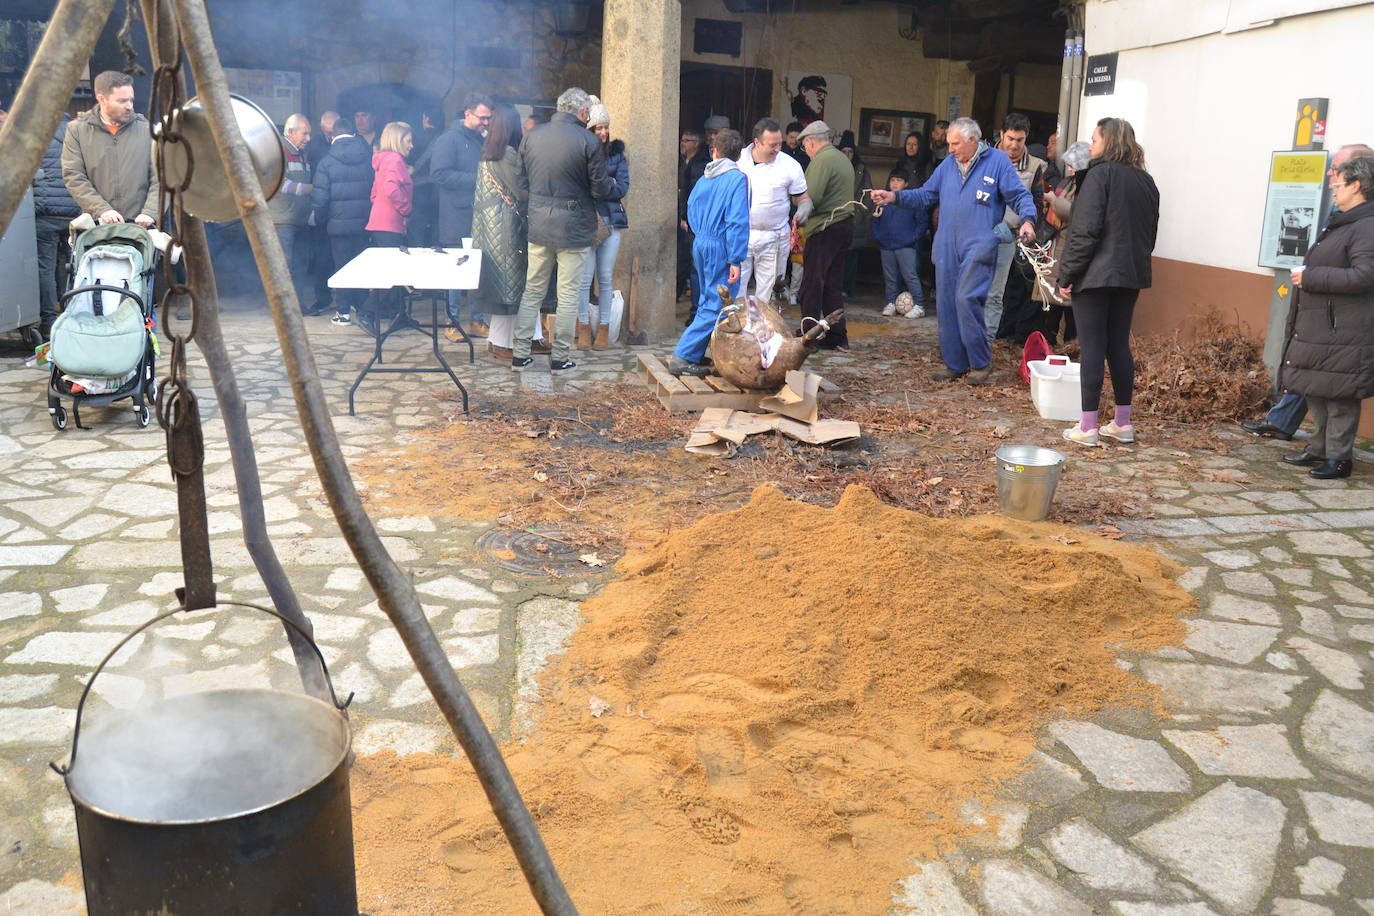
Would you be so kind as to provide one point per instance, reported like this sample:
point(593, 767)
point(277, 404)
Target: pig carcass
point(753, 347)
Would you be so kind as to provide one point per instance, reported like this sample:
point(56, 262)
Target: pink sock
point(1089, 421)
point(1123, 415)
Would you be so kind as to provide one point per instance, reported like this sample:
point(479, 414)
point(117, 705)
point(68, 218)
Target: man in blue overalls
point(718, 212)
point(972, 186)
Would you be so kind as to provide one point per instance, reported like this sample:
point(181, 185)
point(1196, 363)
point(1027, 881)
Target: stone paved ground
point(1255, 795)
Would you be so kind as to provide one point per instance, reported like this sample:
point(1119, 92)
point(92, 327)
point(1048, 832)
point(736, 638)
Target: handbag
point(521, 220)
point(603, 229)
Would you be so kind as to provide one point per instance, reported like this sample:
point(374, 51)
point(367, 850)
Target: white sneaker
point(1074, 434)
point(915, 312)
point(890, 309)
point(1119, 433)
point(341, 318)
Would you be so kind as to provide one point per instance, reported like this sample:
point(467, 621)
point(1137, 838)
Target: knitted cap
point(597, 113)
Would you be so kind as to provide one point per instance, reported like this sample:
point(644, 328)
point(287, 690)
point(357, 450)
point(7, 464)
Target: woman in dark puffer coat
point(1328, 353)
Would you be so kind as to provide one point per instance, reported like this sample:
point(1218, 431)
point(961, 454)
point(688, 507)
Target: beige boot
point(603, 337)
point(584, 336)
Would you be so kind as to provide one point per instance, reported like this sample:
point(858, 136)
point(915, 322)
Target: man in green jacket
point(107, 156)
point(829, 230)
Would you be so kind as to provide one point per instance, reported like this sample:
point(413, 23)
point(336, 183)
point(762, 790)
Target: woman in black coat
point(1328, 352)
point(1106, 264)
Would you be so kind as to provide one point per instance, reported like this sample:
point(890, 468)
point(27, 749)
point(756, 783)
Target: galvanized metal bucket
point(229, 801)
point(1026, 479)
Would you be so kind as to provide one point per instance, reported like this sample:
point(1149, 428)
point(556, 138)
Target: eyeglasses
point(1337, 187)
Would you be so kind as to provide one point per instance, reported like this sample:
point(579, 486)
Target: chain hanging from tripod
point(177, 411)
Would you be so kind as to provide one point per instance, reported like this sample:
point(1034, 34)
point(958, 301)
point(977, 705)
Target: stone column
point(640, 73)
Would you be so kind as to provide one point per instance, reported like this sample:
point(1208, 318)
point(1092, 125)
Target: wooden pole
point(43, 96)
point(395, 593)
point(166, 45)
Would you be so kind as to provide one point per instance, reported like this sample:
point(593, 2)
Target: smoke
point(206, 756)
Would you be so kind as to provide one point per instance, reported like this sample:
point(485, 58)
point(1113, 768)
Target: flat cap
point(815, 129)
point(717, 122)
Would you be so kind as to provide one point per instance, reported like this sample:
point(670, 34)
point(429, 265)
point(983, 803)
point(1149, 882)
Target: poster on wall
point(882, 131)
point(811, 96)
point(277, 92)
point(1297, 181)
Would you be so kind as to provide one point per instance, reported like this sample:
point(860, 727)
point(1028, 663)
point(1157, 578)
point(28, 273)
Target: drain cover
point(535, 553)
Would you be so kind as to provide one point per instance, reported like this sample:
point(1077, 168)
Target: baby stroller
point(104, 344)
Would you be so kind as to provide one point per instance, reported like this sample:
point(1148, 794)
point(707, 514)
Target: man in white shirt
point(775, 183)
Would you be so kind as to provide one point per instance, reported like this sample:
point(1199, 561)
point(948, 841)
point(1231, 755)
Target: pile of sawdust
point(796, 701)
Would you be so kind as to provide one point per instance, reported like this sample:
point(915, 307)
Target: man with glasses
point(453, 168)
point(1284, 418)
point(691, 165)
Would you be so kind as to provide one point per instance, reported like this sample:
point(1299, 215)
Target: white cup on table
point(467, 243)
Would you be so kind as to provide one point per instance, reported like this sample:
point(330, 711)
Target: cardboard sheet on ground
point(721, 430)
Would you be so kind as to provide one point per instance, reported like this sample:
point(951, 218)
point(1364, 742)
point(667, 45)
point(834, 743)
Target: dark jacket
point(51, 199)
point(453, 170)
point(316, 150)
point(1115, 218)
point(689, 172)
point(565, 173)
point(900, 227)
point(343, 187)
point(1329, 347)
point(612, 209)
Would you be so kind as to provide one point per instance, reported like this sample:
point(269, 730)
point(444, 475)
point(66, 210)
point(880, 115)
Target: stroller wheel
point(142, 416)
point(59, 417)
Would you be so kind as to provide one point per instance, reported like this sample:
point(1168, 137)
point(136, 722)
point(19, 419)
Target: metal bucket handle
point(80, 706)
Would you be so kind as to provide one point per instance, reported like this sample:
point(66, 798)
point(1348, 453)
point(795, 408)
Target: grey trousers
point(1337, 419)
point(572, 264)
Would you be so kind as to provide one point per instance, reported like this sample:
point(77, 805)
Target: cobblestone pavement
point(1255, 795)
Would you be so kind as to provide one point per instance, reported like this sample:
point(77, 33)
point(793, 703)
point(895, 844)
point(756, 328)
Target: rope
point(867, 192)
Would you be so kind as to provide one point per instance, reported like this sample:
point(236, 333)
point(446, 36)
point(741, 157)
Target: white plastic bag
point(617, 314)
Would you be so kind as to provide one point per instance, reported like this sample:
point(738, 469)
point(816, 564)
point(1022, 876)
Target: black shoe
point(1265, 428)
point(947, 375)
point(679, 366)
point(1331, 469)
point(561, 365)
point(980, 376)
point(520, 363)
point(1303, 459)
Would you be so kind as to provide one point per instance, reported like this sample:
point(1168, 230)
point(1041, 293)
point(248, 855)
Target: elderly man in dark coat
point(565, 173)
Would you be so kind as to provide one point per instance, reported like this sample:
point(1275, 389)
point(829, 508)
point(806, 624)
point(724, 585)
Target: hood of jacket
point(387, 159)
point(350, 150)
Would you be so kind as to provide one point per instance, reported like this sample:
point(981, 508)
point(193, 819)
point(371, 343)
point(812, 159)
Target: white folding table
point(422, 273)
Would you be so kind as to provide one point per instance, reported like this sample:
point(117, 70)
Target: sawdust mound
point(800, 699)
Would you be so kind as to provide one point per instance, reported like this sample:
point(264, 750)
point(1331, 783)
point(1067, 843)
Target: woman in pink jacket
point(392, 196)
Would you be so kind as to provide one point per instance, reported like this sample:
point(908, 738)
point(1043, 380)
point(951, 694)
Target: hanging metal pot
point(223, 802)
point(208, 195)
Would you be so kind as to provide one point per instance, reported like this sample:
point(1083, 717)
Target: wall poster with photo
point(810, 96)
point(882, 131)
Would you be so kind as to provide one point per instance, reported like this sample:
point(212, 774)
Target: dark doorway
point(742, 94)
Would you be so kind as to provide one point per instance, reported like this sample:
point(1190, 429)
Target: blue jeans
point(901, 267)
point(51, 248)
point(1287, 414)
point(601, 265)
point(1006, 250)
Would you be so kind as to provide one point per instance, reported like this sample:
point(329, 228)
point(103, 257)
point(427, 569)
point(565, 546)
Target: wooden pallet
point(680, 394)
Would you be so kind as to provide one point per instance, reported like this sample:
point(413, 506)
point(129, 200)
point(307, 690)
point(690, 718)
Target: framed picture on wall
point(882, 131)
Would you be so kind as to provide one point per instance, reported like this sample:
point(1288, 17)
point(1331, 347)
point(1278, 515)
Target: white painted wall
point(1210, 109)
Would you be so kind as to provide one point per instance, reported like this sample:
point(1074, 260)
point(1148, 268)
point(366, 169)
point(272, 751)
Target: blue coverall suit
point(718, 212)
point(965, 247)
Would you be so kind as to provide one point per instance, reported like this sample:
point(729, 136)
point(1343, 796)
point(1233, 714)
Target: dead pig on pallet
point(753, 347)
